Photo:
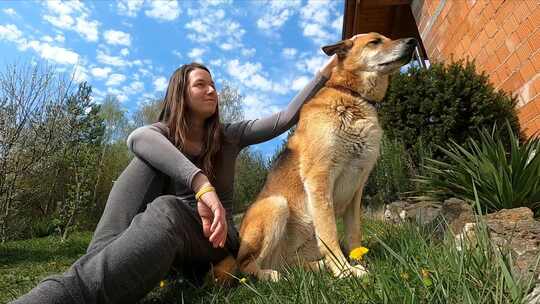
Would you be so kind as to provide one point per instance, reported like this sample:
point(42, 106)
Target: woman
point(172, 205)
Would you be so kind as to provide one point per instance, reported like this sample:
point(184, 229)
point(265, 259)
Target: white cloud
point(277, 13)
point(135, 87)
point(317, 18)
point(196, 53)
point(202, 27)
point(100, 73)
point(87, 28)
point(160, 83)
point(110, 60)
point(311, 64)
point(177, 54)
point(53, 53)
point(216, 62)
point(289, 52)
point(226, 46)
point(129, 8)
point(10, 32)
point(250, 76)
point(60, 38)
point(124, 52)
point(248, 52)
point(163, 10)
point(122, 96)
point(117, 37)
point(115, 79)
point(47, 38)
point(62, 21)
point(10, 11)
point(257, 107)
point(299, 83)
point(72, 15)
point(80, 73)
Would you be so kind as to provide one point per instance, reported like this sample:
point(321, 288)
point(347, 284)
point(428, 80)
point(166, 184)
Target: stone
point(423, 212)
point(513, 229)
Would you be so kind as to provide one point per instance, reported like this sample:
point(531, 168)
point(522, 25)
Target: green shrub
point(441, 103)
point(503, 179)
point(391, 178)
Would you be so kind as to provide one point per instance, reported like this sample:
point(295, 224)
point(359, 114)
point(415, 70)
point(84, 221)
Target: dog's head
point(372, 52)
point(365, 62)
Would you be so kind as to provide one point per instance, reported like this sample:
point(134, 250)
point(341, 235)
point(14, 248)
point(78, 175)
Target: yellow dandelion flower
point(243, 280)
point(426, 279)
point(357, 253)
point(405, 276)
point(162, 284)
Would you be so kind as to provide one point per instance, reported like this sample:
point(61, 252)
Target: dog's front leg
point(352, 217)
point(319, 188)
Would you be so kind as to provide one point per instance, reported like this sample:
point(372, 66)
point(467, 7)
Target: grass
point(406, 264)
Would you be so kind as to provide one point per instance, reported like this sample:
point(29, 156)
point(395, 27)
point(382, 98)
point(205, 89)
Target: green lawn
point(406, 265)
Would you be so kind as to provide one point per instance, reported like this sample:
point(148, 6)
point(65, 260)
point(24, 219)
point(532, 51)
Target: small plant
point(504, 178)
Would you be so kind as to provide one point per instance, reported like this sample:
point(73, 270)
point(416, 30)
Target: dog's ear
point(340, 49)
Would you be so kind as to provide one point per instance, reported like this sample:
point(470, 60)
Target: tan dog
point(323, 170)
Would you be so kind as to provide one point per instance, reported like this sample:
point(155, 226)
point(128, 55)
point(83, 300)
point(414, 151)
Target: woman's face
point(202, 96)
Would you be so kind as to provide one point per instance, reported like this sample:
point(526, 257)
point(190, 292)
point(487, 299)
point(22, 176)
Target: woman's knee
point(178, 215)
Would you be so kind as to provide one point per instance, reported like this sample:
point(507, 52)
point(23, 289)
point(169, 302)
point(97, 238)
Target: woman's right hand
point(213, 217)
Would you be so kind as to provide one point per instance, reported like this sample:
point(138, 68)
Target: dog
point(322, 171)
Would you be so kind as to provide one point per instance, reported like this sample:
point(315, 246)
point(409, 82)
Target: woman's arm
point(255, 131)
point(151, 145)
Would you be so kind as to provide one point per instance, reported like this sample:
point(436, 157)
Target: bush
point(502, 179)
point(441, 103)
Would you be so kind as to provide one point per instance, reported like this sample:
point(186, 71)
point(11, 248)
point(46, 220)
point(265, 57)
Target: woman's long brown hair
point(175, 115)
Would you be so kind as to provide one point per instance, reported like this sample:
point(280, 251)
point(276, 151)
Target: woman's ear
point(340, 49)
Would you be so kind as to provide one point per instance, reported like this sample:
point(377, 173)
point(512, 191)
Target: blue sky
point(267, 49)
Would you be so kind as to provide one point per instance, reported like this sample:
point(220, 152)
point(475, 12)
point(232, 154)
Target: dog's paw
point(356, 271)
point(268, 275)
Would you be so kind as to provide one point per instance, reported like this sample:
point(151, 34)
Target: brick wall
point(503, 36)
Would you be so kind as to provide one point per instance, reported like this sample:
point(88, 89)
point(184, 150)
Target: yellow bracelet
point(204, 190)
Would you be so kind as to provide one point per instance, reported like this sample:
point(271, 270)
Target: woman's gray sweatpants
point(132, 250)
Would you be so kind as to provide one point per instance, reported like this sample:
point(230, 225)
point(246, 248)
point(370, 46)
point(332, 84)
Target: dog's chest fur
point(355, 137)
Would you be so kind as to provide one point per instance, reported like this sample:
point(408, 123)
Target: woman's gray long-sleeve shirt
point(151, 144)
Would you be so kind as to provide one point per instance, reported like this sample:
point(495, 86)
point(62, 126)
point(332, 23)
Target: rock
point(455, 214)
point(513, 229)
point(423, 213)
point(534, 296)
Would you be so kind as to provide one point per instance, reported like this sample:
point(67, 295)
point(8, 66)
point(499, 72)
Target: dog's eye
point(375, 42)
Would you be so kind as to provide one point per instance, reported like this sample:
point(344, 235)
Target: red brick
point(536, 85)
point(525, 29)
point(488, 11)
point(512, 83)
point(527, 70)
point(526, 113)
point(503, 73)
point(494, 79)
point(510, 24)
point(524, 51)
point(535, 60)
point(499, 38)
point(491, 28)
point(502, 52)
point(534, 40)
point(535, 16)
point(491, 63)
point(532, 4)
point(521, 11)
point(482, 57)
